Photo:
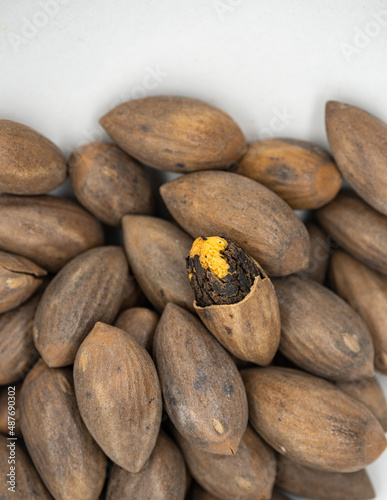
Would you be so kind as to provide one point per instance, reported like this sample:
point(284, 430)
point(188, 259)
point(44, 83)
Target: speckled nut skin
point(321, 485)
point(118, 395)
point(86, 290)
point(61, 229)
point(19, 278)
point(29, 485)
point(29, 162)
point(156, 251)
point(321, 333)
point(366, 291)
point(162, 478)
point(17, 350)
point(203, 392)
point(358, 138)
point(358, 228)
point(311, 421)
point(108, 183)
point(67, 458)
point(318, 256)
point(243, 210)
point(140, 323)
point(301, 173)
point(175, 133)
point(248, 475)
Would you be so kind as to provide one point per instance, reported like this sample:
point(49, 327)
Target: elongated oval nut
point(310, 421)
point(29, 162)
point(235, 299)
point(247, 475)
point(109, 183)
point(321, 333)
point(118, 394)
point(162, 478)
point(48, 230)
point(140, 323)
point(67, 458)
point(156, 250)
point(243, 210)
point(86, 290)
point(202, 388)
point(358, 138)
point(175, 133)
point(301, 173)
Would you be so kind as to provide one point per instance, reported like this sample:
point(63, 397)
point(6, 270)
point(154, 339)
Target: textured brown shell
point(239, 208)
point(156, 250)
point(318, 256)
point(140, 323)
point(301, 173)
point(17, 350)
point(133, 296)
point(358, 228)
point(321, 485)
point(28, 483)
point(48, 230)
point(67, 458)
point(250, 329)
point(175, 133)
point(311, 421)
point(4, 410)
point(109, 183)
point(203, 391)
point(88, 289)
point(366, 291)
point(162, 478)
point(321, 333)
point(247, 475)
point(118, 394)
point(29, 162)
point(19, 278)
point(358, 141)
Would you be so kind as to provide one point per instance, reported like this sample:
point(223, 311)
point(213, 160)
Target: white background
point(62, 69)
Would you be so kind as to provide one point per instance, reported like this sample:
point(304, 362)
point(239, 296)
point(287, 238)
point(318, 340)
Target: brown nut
point(29, 162)
point(203, 391)
point(175, 133)
point(109, 183)
point(319, 254)
point(140, 323)
point(118, 394)
point(301, 173)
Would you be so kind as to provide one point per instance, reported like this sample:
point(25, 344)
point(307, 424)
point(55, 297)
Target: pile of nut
point(226, 352)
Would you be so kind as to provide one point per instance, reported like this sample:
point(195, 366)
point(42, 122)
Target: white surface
point(257, 60)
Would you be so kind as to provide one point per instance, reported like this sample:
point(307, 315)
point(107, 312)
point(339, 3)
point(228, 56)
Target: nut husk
point(29, 162)
point(156, 250)
point(301, 173)
point(19, 278)
point(28, 483)
point(108, 183)
point(247, 475)
point(321, 333)
point(250, 328)
point(67, 458)
point(17, 350)
point(48, 230)
point(243, 210)
point(318, 256)
point(86, 290)
point(203, 391)
point(371, 395)
point(358, 139)
point(162, 478)
point(140, 323)
point(175, 133)
point(311, 421)
point(118, 394)
point(358, 228)
point(4, 410)
point(321, 485)
point(366, 292)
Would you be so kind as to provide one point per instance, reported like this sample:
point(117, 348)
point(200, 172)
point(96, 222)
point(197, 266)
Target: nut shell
point(140, 323)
